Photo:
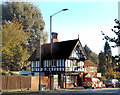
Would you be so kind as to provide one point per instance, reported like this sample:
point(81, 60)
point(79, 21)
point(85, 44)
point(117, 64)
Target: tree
point(117, 60)
point(14, 50)
point(94, 58)
point(101, 65)
point(87, 50)
point(114, 40)
point(105, 59)
point(31, 18)
point(110, 73)
point(91, 55)
point(107, 55)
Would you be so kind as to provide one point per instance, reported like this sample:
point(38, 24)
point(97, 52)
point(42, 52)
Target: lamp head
point(64, 9)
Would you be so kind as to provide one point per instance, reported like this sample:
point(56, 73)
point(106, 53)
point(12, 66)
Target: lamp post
point(40, 63)
point(51, 44)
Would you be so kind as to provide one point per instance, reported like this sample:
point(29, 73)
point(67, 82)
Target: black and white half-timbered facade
point(66, 61)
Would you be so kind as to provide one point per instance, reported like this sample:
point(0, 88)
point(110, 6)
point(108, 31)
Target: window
point(78, 64)
point(38, 64)
point(85, 70)
point(81, 56)
point(62, 62)
point(54, 69)
point(57, 63)
point(35, 69)
point(31, 69)
point(44, 69)
point(68, 63)
point(45, 63)
point(82, 64)
point(70, 79)
point(74, 63)
point(60, 69)
point(32, 64)
point(91, 69)
point(54, 63)
point(49, 63)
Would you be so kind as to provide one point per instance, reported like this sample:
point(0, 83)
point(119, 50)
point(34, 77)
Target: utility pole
point(40, 64)
point(51, 46)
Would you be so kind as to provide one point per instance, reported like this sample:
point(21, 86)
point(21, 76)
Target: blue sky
point(86, 19)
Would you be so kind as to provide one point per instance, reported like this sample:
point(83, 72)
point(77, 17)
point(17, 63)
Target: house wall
point(73, 65)
point(92, 71)
point(57, 65)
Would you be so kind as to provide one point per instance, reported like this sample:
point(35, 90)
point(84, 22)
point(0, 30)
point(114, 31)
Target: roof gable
point(77, 52)
point(60, 50)
point(90, 63)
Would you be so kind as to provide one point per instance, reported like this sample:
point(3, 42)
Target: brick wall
point(92, 71)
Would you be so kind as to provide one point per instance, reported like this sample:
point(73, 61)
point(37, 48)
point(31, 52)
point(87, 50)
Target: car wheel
point(94, 87)
point(114, 85)
point(101, 87)
point(106, 86)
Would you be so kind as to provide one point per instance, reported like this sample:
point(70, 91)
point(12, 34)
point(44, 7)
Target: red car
point(92, 82)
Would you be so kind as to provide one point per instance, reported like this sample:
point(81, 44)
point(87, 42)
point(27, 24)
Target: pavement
point(43, 91)
point(68, 91)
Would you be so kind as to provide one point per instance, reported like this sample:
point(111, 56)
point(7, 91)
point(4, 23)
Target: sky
point(86, 18)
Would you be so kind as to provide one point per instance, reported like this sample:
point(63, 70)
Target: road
point(103, 91)
point(75, 91)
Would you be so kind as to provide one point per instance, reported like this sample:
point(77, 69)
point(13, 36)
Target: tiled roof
point(90, 63)
point(60, 50)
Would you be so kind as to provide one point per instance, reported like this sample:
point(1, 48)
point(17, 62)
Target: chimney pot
point(54, 37)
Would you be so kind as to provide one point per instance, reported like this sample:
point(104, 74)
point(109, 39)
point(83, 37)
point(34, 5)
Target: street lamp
point(51, 23)
point(51, 44)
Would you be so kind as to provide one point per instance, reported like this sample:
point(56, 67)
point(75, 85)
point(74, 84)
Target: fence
point(22, 82)
point(35, 82)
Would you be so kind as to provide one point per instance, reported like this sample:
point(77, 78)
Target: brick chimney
point(38, 45)
point(54, 37)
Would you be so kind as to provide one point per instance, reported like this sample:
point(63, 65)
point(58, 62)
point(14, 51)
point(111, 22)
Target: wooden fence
point(22, 82)
point(35, 82)
point(16, 82)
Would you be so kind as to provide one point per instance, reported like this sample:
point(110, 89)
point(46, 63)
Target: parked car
point(92, 82)
point(111, 82)
point(119, 82)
